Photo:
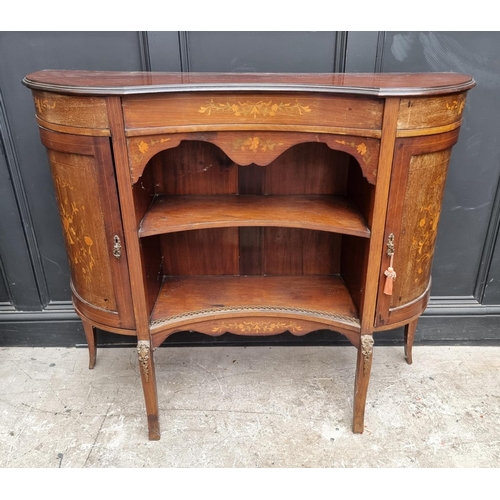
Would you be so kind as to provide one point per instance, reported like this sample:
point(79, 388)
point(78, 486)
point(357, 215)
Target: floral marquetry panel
point(254, 108)
point(426, 180)
point(257, 327)
point(87, 116)
point(299, 111)
point(443, 112)
point(417, 186)
point(82, 220)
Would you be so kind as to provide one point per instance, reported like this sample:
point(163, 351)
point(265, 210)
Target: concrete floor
point(250, 407)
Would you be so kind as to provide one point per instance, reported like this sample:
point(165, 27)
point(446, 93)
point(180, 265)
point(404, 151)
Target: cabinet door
point(84, 181)
point(417, 186)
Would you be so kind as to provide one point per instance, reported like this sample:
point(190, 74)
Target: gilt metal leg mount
point(143, 350)
point(366, 351)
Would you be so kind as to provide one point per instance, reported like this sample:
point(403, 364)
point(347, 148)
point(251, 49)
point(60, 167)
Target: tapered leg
point(147, 369)
point(409, 336)
point(363, 368)
point(90, 336)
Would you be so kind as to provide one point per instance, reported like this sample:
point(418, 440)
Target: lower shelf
point(187, 301)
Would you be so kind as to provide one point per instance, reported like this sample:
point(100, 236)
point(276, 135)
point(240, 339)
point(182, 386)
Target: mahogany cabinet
point(249, 203)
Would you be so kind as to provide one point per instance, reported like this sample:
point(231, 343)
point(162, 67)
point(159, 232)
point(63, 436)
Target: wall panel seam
point(144, 50)
point(488, 248)
point(3, 276)
point(184, 53)
point(340, 52)
point(379, 54)
point(13, 166)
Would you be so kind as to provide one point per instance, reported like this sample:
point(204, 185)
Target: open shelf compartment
point(220, 241)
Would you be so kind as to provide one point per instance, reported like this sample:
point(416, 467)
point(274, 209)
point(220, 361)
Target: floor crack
point(97, 435)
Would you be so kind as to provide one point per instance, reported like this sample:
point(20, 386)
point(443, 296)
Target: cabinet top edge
point(129, 83)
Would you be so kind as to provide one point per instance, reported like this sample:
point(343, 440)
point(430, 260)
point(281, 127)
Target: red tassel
point(390, 276)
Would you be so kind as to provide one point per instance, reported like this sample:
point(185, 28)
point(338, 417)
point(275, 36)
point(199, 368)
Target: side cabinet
point(417, 186)
point(249, 203)
point(85, 185)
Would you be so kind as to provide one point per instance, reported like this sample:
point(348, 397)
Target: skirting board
point(67, 331)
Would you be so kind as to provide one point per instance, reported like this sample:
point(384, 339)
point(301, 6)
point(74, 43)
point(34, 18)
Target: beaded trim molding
point(263, 309)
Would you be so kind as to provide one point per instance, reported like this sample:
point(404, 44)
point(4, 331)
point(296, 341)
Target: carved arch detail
point(254, 147)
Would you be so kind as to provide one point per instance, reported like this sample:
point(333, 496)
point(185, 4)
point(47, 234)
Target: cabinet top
point(127, 83)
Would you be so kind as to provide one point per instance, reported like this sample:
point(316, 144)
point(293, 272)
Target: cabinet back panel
point(310, 168)
point(251, 179)
point(201, 168)
point(194, 168)
point(201, 252)
point(289, 251)
point(251, 239)
point(251, 251)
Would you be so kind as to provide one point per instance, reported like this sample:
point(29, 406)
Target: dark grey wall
point(35, 307)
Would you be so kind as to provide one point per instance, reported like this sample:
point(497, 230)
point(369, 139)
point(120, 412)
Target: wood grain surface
point(249, 203)
point(323, 213)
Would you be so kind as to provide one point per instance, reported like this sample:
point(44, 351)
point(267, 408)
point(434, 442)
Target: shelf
point(170, 214)
point(191, 299)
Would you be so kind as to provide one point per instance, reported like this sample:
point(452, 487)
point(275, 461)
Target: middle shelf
point(329, 213)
